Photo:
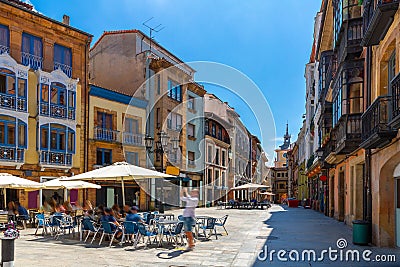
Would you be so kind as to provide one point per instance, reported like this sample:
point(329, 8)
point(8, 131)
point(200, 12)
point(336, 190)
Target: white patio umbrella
point(8, 181)
point(267, 193)
point(119, 171)
point(63, 184)
point(250, 186)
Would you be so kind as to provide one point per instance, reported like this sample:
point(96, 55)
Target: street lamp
point(161, 147)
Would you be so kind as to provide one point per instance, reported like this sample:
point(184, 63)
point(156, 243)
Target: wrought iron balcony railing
point(350, 43)
point(12, 102)
point(57, 111)
point(106, 134)
point(4, 49)
point(55, 158)
point(375, 129)
point(67, 69)
point(378, 19)
point(34, 61)
point(132, 139)
point(347, 133)
point(12, 154)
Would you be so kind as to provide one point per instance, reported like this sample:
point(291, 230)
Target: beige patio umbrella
point(119, 171)
point(8, 181)
point(63, 184)
point(249, 187)
point(267, 193)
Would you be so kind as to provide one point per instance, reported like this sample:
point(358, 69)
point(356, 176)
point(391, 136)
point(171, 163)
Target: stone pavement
point(249, 231)
point(303, 229)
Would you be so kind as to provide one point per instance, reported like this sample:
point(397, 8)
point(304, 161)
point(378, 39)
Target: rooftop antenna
point(152, 29)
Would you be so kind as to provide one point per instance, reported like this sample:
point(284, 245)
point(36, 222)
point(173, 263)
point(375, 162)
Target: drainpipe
point(367, 198)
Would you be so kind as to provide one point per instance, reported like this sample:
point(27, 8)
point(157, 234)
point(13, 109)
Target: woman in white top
point(192, 200)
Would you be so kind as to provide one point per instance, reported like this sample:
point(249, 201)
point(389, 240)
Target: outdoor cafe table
point(200, 220)
point(165, 225)
point(168, 216)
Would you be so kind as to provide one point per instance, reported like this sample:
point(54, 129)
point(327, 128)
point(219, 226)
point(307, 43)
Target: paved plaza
point(249, 231)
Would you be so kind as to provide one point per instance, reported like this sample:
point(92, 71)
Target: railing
point(349, 128)
point(352, 39)
point(106, 134)
point(375, 119)
point(55, 158)
point(12, 102)
point(56, 111)
point(67, 69)
point(11, 154)
point(133, 139)
point(4, 49)
point(395, 88)
point(34, 61)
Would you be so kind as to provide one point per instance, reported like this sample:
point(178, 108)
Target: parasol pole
point(123, 191)
point(5, 198)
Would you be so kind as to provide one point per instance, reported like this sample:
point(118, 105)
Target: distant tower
point(286, 138)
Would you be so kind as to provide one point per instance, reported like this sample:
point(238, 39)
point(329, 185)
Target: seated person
point(107, 217)
point(67, 206)
point(89, 215)
point(11, 208)
point(22, 212)
point(45, 207)
point(126, 209)
point(132, 216)
point(88, 205)
point(116, 211)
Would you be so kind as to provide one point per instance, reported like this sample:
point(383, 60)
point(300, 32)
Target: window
point(174, 121)
point(223, 179)
point(7, 82)
point(209, 176)
point(158, 118)
point(216, 177)
point(191, 157)
point(132, 158)
point(158, 80)
point(223, 158)
point(190, 103)
point(131, 126)
point(32, 51)
point(12, 132)
point(217, 156)
point(206, 128)
point(191, 130)
point(63, 59)
point(174, 90)
point(104, 120)
point(57, 137)
point(392, 67)
point(4, 39)
point(103, 157)
point(58, 94)
point(219, 133)
point(282, 186)
point(209, 154)
point(213, 129)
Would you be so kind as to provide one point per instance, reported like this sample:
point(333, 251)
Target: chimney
point(66, 20)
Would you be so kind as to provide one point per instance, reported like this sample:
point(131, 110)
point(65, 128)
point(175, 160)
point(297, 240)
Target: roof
point(105, 33)
point(26, 7)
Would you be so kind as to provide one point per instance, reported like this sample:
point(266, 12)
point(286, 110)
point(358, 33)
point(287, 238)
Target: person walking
point(192, 200)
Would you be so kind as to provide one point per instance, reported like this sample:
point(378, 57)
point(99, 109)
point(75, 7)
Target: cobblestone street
point(248, 230)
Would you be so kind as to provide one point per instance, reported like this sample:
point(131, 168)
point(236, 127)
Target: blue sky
point(268, 40)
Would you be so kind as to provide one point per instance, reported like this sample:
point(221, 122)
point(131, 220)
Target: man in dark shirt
point(22, 212)
point(107, 217)
point(133, 216)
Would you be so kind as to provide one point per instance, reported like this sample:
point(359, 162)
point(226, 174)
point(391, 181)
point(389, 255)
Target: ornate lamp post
point(161, 147)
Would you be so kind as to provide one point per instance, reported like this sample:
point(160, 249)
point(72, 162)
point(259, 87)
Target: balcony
point(395, 111)
point(34, 61)
point(55, 158)
point(57, 111)
point(4, 49)
point(107, 135)
point(376, 132)
point(132, 139)
point(350, 42)
point(11, 154)
point(379, 23)
point(67, 69)
point(347, 134)
point(12, 102)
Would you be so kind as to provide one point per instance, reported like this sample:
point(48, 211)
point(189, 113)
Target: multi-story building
point(116, 133)
point(381, 121)
point(43, 98)
point(131, 63)
point(280, 171)
point(217, 149)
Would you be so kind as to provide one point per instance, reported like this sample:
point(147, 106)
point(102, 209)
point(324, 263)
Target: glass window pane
point(53, 139)
point(107, 157)
point(11, 85)
point(45, 93)
point(3, 84)
point(61, 140)
point(62, 100)
point(2, 132)
point(11, 134)
point(71, 99)
point(71, 141)
point(54, 95)
point(22, 135)
point(21, 87)
point(99, 157)
point(44, 138)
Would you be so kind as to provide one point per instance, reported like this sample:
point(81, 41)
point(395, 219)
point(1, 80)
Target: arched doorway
point(396, 175)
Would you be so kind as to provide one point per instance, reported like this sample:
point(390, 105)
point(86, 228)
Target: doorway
point(341, 196)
